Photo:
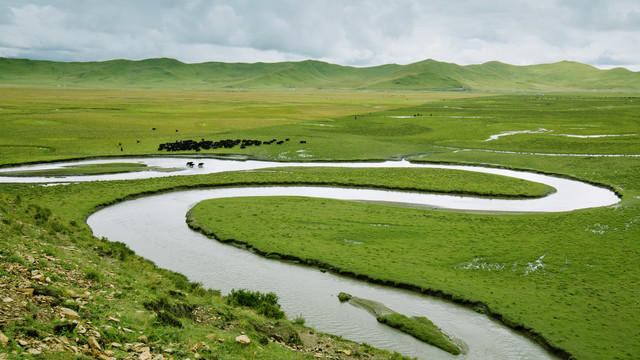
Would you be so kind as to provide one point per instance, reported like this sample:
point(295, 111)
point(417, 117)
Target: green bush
point(265, 304)
point(344, 297)
point(176, 309)
point(94, 275)
point(299, 320)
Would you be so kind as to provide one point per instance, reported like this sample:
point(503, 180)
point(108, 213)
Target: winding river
point(162, 236)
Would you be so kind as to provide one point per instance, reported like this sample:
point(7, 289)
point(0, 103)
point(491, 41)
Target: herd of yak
point(186, 145)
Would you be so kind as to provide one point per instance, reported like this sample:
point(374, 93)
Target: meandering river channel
point(155, 228)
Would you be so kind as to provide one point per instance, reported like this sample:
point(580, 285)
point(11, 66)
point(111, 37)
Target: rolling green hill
point(311, 74)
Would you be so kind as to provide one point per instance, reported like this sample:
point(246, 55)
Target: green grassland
point(583, 302)
point(40, 124)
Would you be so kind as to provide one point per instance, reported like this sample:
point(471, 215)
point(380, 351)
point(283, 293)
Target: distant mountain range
point(311, 74)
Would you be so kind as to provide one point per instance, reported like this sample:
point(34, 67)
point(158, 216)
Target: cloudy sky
point(603, 33)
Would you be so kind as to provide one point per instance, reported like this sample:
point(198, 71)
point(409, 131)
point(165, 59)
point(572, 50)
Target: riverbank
point(67, 294)
point(477, 306)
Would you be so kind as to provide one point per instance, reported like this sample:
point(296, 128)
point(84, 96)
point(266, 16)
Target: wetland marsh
point(569, 278)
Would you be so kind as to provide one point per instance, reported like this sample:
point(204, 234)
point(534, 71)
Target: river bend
point(161, 235)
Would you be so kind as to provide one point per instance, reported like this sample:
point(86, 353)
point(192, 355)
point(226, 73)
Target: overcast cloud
point(355, 32)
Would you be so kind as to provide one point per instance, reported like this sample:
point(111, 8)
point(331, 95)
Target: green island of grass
point(419, 327)
point(441, 181)
point(84, 170)
point(422, 329)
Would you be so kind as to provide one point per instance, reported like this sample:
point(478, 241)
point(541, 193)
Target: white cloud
point(358, 32)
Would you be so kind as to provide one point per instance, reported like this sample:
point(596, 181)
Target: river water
point(155, 228)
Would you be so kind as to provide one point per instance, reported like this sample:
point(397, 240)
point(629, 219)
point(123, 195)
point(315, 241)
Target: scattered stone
point(68, 313)
point(27, 291)
point(143, 339)
point(3, 338)
point(34, 351)
point(22, 342)
point(145, 356)
point(113, 319)
point(93, 343)
point(8, 300)
point(211, 337)
point(38, 277)
point(196, 347)
point(243, 339)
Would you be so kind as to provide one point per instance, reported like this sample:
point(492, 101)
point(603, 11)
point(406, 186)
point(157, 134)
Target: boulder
point(3, 338)
point(68, 313)
point(243, 339)
point(93, 343)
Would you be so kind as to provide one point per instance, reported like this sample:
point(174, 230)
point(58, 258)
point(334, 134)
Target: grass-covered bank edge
point(616, 190)
point(115, 303)
point(461, 300)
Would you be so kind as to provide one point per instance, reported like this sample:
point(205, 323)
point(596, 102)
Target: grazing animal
point(200, 165)
point(153, 128)
point(190, 164)
point(303, 141)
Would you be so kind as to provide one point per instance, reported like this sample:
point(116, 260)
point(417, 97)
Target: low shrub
point(265, 304)
point(177, 309)
point(299, 320)
point(344, 297)
point(94, 275)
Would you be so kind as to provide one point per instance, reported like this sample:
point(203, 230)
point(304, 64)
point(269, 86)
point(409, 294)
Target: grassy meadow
point(45, 124)
point(583, 301)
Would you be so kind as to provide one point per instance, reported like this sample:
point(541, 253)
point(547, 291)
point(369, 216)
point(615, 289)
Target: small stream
point(155, 228)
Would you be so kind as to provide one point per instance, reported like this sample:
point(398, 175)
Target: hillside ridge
point(313, 74)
